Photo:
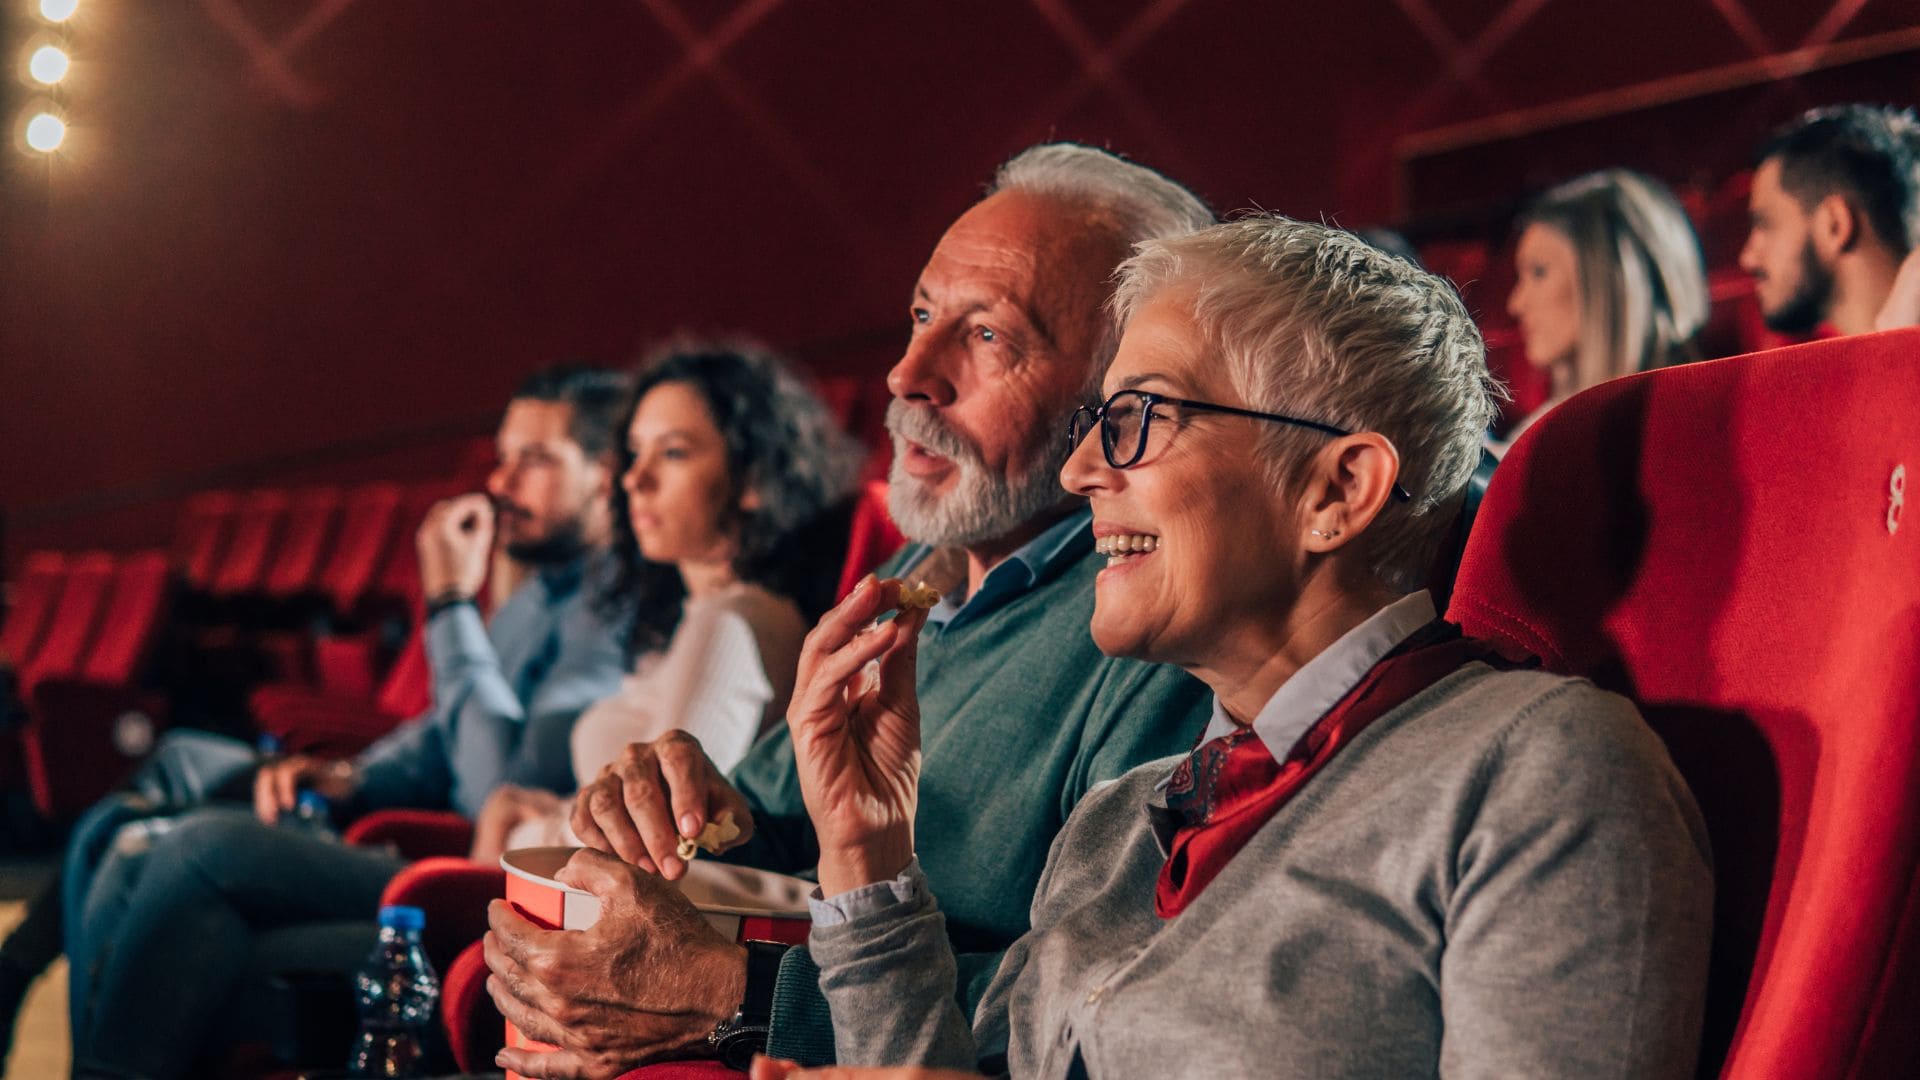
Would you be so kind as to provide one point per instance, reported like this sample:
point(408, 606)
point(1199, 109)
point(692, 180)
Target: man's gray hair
point(1143, 204)
point(1314, 322)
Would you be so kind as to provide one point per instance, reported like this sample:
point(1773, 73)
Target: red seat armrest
point(417, 834)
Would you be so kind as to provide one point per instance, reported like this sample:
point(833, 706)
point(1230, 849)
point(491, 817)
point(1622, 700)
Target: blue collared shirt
point(1066, 540)
point(505, 695)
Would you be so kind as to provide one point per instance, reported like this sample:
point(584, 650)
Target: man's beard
point(1807, 307)
point(564, 542)
point(981, 506)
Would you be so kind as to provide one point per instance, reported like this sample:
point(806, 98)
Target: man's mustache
point(504, 508)
point(924, 427)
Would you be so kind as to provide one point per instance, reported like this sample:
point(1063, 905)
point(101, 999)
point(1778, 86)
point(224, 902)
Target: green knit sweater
point(1020, 716)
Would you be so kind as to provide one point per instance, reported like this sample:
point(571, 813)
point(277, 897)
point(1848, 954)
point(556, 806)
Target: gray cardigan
point(1505, 876)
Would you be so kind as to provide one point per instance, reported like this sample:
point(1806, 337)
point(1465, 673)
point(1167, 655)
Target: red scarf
point(1230, 786)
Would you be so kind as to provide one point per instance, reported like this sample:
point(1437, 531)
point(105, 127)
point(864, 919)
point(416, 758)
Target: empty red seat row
point(88, 716)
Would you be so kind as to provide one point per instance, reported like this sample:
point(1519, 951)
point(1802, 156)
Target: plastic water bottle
point(397, 991)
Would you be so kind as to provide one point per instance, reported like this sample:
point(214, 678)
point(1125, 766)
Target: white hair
point(1143, 204)
point(1314, 322)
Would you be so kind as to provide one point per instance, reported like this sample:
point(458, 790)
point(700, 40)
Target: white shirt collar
point(1325, 679)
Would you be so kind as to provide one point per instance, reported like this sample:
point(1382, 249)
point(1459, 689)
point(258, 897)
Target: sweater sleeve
point(1578, 924)
point(888, 975)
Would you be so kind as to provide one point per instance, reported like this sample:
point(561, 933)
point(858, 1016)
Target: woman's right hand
point(856, 736)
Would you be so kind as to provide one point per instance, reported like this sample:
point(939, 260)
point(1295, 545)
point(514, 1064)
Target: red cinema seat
point(308, 721)
point(88, 727)
point(367, 525)
point(75, 617)
point(308, 536)
point(135, 612)
point(31, 605)
point(200, 538)
point(257, 528)
point(872, 537)
point(1728, 543)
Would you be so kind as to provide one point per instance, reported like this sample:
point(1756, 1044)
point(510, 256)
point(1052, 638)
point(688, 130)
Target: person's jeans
point(112, 837)
point(168, 933)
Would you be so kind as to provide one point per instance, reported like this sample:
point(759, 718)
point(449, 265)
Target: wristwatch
point(736, 1040)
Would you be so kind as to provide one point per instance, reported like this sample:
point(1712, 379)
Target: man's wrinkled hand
point(455, 543)
point(650, 796)
point(647, 982)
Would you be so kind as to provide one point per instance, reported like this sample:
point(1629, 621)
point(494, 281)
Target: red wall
point(322, 230)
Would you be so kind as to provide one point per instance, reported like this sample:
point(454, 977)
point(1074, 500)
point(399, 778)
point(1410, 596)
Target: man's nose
point(923, 372)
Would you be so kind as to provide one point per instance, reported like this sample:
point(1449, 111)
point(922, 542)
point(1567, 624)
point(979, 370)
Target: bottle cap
point(402, 917)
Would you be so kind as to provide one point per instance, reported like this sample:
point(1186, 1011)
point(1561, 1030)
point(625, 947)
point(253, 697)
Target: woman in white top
point(1610, 282)
point(730, 466)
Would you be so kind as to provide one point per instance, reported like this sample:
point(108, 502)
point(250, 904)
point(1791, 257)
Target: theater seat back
point(75, 618)
point(1726, 543)
point(135, 610)
point(30, 606)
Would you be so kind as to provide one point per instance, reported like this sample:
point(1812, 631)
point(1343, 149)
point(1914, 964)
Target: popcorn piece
point(714, 835)
point(921, 597)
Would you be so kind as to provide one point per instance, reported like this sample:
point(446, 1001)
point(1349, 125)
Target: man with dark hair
point(1836, 207)
point(506, 692)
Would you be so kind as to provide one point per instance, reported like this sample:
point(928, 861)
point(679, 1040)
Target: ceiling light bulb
point(58, 10)
point(49, 64)
point(46, 132)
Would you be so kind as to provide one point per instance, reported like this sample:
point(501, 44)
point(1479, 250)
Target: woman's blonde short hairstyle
point(1641, 279)
point(1314, 322)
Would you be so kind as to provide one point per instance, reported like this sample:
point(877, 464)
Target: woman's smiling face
point(1202, 546)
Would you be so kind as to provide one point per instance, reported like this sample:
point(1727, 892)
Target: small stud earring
point(1328, 535)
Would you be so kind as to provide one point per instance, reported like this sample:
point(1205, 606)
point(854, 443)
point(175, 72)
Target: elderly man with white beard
point(1010, 333)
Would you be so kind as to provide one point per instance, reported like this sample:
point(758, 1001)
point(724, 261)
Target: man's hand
point(650, 796)
point(455, 543)
point(277, 786)
point(855, 720)
point(1903, 303)
point(650, 980)
point(766, 1068)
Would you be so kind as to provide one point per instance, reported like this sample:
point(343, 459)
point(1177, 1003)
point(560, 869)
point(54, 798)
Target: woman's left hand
point(504, 810)
point(856, 736)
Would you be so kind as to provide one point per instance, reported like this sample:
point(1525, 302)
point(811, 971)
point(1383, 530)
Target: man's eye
point(988, 335)
point(922, 316)
point(674, 453)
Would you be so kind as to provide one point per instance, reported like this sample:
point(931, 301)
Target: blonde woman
point(1610, 282)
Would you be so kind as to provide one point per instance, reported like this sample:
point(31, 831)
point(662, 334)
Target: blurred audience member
point(1394, 853)
point(161, 898)
point(1836, 207)
point(1009, 334)
point(1610, 282)
point(727, 458)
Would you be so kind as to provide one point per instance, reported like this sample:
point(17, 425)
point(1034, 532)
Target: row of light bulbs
point(47, 65)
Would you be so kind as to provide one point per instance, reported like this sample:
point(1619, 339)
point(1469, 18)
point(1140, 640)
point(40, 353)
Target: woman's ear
point(750, 499)
point(1349, 483)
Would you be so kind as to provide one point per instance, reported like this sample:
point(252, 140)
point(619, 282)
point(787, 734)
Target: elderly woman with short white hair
point(1395, 852)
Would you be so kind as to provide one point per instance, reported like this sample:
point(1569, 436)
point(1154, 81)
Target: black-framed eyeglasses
point(1126, 416)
